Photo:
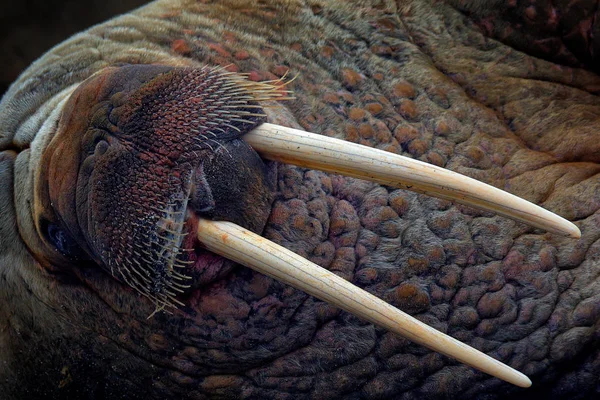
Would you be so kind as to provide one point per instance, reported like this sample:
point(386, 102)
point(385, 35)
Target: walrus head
point(142, 157)
point(139, 152)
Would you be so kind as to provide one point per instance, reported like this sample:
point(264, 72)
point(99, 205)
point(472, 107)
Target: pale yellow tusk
point(293, 146)
point(249, 249)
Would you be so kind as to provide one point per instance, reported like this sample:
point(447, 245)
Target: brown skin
point(417, 79)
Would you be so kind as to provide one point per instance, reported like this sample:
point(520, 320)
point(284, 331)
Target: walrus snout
point(139, 153)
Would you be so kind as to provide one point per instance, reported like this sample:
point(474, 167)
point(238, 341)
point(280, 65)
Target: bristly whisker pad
point(165, 123)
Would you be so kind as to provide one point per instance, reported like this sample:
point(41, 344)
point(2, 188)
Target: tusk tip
point(574, 232)
point(522, 381)
point(569, 229)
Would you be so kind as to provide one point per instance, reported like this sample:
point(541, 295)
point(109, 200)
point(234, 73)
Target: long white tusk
point(249, 249)
point(293, 146)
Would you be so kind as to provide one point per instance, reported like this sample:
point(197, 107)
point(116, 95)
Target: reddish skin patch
point(229, 36)
point(435, 159)
point(327, 52)
point(475, 153)
point(382, 50)
point(367, 98)
point(301, 222)
point(376, 217)
point(352, 133)
point(404, 89)
point(280, 70)
point(487, 25)
point(279, 216)
point(366, 131)
point(410, 297)
point(491, 304)
point(405, 133)
point(374, 108)
point(399, 204)
point(337, 226)
point(367, 275)
point(219, 49)
point(442, 128)
point(351, 78)
point(394, 147)
point(331, 98)
point(254, 76)
point(513, 264)
point(258, 76)
point(344, 262)
point(310, 120)
point(347, 97)
point(267, 52)
point(418, 265)
point(220, 303)
point(171, 14)
point(417, 147)
point(386, 25)
point(157, 342)
point(465, 317)
point(356, 114)
point(408, 109)
point(449, 280)
point(443, 222)
point(531, 12)
point(180, 46)
point(241, 55)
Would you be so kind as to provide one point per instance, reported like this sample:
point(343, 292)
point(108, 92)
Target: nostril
point(201, 198)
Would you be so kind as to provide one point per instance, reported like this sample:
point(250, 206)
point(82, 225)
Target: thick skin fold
point(249, 249)
point(293, 146)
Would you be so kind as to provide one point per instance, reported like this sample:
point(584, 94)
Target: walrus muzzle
point(135, 148)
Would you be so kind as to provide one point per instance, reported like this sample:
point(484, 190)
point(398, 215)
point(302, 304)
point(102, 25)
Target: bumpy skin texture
point(416, 78)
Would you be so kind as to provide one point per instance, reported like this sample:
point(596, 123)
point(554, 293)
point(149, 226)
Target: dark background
point(29, 28)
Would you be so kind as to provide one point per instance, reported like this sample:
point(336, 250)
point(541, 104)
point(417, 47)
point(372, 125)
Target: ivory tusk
point(249, 249)
point(293, 146)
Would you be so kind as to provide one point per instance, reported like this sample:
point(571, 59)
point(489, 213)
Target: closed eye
point(62, 241)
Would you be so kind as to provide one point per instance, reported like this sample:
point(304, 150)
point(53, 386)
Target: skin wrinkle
point(416, 259)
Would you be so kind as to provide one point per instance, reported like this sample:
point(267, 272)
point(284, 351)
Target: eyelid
point(66, 245)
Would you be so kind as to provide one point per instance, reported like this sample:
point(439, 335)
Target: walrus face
point(143, 157)
point(140, 152)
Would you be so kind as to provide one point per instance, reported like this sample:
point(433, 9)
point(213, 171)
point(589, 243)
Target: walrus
point(136, 151)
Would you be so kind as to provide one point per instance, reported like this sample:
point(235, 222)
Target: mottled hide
point(506, 93)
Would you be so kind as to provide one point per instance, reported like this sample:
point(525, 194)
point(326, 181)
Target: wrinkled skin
point(416, 78)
